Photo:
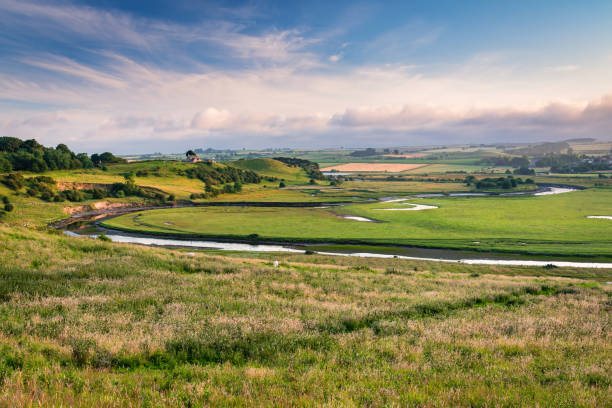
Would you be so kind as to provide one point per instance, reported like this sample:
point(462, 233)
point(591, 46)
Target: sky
point(141, 77)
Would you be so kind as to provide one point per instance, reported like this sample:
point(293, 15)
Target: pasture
point(554, 224)
point(92, 323)
point(273, 168)
point(85, 322)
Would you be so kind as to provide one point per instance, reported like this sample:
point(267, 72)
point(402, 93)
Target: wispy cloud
point(133, 80)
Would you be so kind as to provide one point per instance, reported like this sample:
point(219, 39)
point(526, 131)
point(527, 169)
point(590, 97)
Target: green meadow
point(91, 323)
point(553, 224)
point(87, 322)
point(273, 168)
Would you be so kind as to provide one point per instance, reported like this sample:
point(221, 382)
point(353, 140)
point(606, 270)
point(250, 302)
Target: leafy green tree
point(10, 144)
point(86, 162)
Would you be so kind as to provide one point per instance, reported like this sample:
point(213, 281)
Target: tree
point(10, 144)
point(281, 184)
point(63, 148)
point(32, 145)
point(5, 164)
point(86, 162)
point(190, 153)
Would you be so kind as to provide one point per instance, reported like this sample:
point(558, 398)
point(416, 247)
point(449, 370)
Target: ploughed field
point(374, 167)
point(91, 323)
point(553, 224)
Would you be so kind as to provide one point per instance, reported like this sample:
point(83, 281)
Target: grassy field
point(85, 322)
point(274, 168)
point(554, 224)
point(160, 174)
point(90, 323)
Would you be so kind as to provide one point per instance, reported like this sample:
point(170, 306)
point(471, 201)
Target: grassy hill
point(273, 168)
point(92, 323)
point(84, 322)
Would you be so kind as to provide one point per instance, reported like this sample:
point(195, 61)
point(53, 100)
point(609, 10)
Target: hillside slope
point(272, 168)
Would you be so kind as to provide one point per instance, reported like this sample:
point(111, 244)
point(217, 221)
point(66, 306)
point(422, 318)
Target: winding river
point(86, 226)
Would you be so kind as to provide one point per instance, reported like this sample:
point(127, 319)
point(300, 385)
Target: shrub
point(73, 195)
point(81, 351)
point(14, 181)
point(46, 195)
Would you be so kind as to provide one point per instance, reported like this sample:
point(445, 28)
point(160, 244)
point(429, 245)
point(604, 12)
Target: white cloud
point(335, 58)
point(211, 118)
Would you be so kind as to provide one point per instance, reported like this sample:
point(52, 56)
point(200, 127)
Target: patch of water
point(225, 246)
point(415, 207)
point(355, 218)
point(555, 190)
point(229, 246)
point(601, 217)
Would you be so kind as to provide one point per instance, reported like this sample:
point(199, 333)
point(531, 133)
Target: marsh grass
point(88, 322)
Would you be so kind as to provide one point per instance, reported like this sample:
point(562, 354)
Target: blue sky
point(146, 76)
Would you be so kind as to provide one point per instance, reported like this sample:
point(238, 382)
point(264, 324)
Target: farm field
point(86, 322)
point(374, 167)
point(511, 224)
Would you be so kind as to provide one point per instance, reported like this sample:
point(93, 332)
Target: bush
point(98, 193)
point(8, 207)
point(81, 351)
point(72, 195)
point(103, 237)
point(47, 195)
point(14, 181)
point(281, 184)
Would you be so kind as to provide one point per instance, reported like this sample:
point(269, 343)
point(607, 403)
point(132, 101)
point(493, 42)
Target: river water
point(425, 254)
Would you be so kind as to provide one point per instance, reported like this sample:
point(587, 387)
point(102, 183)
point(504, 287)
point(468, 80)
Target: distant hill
point(540, 149)
point(581, 140)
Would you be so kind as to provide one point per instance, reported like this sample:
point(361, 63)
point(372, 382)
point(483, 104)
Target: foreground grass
point(85, 322)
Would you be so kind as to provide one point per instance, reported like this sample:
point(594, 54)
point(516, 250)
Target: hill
point(272, 168)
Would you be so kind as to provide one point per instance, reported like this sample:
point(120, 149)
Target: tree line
point(29, 155)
